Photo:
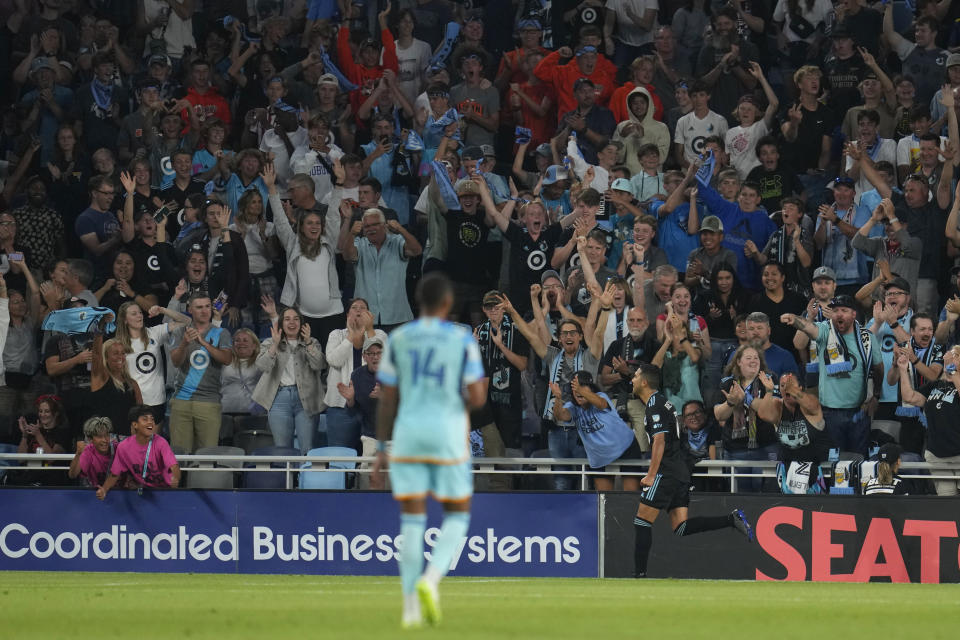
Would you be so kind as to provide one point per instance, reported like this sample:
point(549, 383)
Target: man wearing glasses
point(98, 227)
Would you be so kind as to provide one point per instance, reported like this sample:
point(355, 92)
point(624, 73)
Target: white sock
point(411, 605)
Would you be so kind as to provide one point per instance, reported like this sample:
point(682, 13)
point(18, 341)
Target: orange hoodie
point(561, 77)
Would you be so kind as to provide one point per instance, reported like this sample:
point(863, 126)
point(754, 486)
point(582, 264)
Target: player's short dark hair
point(650, 373)
point(137, 411)
point(433, 290)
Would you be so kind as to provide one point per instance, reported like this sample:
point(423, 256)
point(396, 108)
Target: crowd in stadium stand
point(220, 209)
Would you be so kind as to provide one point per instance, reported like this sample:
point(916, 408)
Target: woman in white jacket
point(290, 386)
point(344, 354)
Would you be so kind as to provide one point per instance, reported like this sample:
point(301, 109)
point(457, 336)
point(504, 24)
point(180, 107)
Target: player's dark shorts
point(666, 493)
point(633, 452)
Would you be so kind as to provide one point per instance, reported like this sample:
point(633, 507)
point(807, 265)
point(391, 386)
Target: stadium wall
point(820, 539)
point(300, 532)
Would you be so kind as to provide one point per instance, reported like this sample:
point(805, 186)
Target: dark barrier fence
point(303, 532)
point(823, 539)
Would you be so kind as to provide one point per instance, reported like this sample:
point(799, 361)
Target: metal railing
point(732, 470)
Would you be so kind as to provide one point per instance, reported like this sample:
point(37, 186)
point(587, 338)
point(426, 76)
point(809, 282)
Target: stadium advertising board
point(523, 534)
point(820, 539)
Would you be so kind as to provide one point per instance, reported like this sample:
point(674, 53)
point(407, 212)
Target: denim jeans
point(564, 443)
point(286, 416)
point(751, 485)
point(343, 428)
point(849, 429)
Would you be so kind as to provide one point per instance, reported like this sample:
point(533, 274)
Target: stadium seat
point(7, 448)
point(197, 478)
point(327, 479)
point(268, 479)
point(251, 437)
point(890, 427)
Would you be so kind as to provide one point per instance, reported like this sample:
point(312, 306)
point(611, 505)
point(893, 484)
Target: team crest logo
point(146, 363)
point(199, 360)
point(469, 234)
point(153, 263)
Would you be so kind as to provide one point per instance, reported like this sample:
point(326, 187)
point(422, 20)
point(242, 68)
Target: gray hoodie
point(654, 132)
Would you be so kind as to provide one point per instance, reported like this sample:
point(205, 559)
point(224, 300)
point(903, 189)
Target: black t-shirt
point(780, 334)
point(178, 195)
point(156, 267)
point(927, 223)
point(800, 440)
point(723, 326)
point(866, 26)
point(504, 378)
point(661, 417)
point(529, 258)
point(942, 410)
point(775, 185)
point(634, 352)
point(467, 247)
point(736, 432)
point(842, 79)
point(805, 150)
point(65, 347)
point(573, 262)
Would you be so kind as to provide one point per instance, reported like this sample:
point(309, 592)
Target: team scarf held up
point(908, 410)
point(495, 360)
point(839, 362)
point(79, 320)
point(558, 372)
point(743, 422)
point(813, 363)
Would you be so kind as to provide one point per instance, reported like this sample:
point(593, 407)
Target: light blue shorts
point(447, 482)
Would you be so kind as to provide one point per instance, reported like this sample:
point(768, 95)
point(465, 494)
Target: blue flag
point(447, 192)
point(705, 172)
point(440, 57)
point(329, 67)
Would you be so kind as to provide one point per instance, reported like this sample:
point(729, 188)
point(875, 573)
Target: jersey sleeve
point(387, 373)
point(657, 419)
point(473, 363)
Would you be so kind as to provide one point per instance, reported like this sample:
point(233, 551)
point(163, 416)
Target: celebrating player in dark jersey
point(667, 483)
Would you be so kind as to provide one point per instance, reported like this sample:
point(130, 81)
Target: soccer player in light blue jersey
point(426, 366)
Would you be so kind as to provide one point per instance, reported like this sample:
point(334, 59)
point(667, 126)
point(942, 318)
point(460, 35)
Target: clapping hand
point(305, 333)
point(269, 306)
point(735, 396)
point(347, 391)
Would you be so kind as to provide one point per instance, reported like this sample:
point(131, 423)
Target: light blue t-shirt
point(604, 434)
point(887, 341)
point(847, 390)
point(430, 361)
point(849, 264)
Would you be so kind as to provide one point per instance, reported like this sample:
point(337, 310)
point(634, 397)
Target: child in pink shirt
point(92, 462)
point(144, 445)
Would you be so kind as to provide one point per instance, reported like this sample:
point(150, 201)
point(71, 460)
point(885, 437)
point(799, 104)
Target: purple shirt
point(129, 459)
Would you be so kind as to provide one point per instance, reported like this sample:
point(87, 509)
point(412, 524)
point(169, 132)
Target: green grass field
point(102, 606)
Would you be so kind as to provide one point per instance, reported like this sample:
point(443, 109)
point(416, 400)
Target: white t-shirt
point(692, 131)
point(314, 285)
point(908, 151)
point(144, 364)
point(626, 30)
point(412, 63)
point(271, 142)
point(256, 250)
point(884, 149)
point(741, 144)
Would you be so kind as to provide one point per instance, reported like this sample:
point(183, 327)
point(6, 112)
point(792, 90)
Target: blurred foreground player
point(667, 483)
point(425, 368)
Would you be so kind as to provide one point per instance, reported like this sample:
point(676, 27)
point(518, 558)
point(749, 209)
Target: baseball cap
point(711, 223)
point(586, 49)
point(328, 78)
point(843, 300)
point(824, 272)
point(749, 98)
point(555, 172)
point(898, 283)
point(582, 81)
point(40, 62)
point(550, 273)
point(841, 31)
point(160, 58)
point(953, 59)
point(487, 150)
point(843, 181)
point(369, 43)
point(889, 452)
point(543, 149)
point(621, 184)
point(472, 153)
point(370, 342)
point(467, 187)
point(491, 298)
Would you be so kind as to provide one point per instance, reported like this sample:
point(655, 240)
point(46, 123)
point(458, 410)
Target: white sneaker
point(411, 621)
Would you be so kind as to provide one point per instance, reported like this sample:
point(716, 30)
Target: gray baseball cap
point(824, 272)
